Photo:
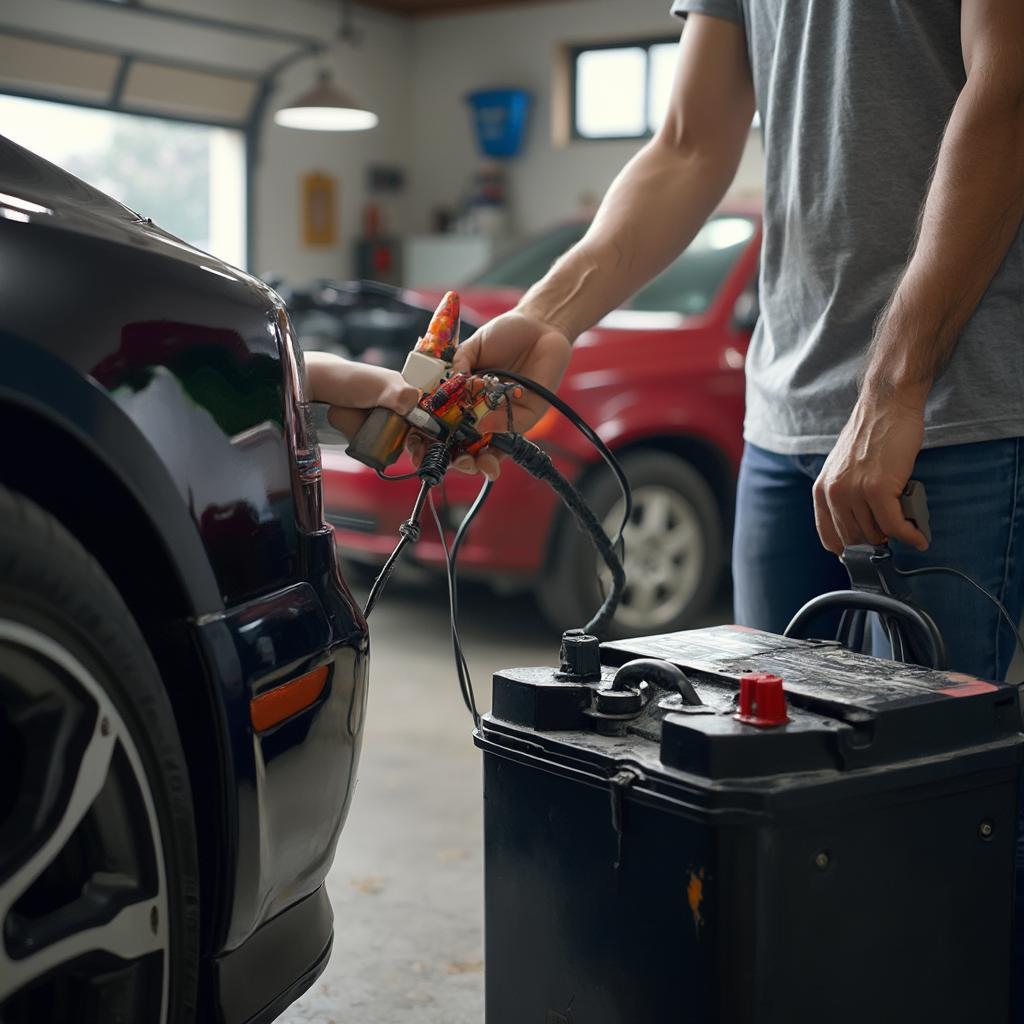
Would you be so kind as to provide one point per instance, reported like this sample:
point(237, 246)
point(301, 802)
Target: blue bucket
point(500, 119)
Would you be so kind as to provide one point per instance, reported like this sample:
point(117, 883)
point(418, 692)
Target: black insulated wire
point(931, 570)
point(461, 666)
point(906, 646)
point(467, 522)
point(587, 431)
point(431, 471)
point(397, 476)
point(538, 464)
point(434, 464)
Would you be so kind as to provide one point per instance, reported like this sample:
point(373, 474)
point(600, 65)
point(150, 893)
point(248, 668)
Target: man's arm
point(353, 389)
point(663, 196)
point(971, 215)
point(651, 213)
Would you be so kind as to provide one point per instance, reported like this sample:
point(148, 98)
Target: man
point(891, 341)
point(893, 258)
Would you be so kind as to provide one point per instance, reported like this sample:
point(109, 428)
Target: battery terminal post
point(762, 700)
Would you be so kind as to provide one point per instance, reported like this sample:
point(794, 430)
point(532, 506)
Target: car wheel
point(674, 553)
point(99, 891)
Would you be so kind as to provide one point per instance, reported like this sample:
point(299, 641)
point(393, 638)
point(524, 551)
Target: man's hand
point(516, 341)
point(351, 389)
point(857, 494)
point(521, 342)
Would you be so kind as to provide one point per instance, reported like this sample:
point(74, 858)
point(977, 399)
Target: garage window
point(621, 90)
point(188, 178)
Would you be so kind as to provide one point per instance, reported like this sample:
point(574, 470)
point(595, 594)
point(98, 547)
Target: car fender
point(634, 426)
point(39, 382)
point(633, 417)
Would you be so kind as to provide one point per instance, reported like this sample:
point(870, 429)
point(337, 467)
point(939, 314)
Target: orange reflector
point(274, 706)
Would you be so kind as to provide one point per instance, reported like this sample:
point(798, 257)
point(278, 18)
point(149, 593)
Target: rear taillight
point(307, 469)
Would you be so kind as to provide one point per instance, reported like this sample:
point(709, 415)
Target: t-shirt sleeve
point(728, 9)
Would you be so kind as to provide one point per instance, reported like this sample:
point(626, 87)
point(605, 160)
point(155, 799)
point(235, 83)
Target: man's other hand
point(352, 389)
point(857, 494)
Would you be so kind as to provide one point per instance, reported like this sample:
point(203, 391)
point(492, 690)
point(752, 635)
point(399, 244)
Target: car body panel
point(177, 372)
point(36, 381)
point(184, 344)
point(293, 784)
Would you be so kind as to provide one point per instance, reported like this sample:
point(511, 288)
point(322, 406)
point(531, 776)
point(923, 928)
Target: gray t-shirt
point(854, 98)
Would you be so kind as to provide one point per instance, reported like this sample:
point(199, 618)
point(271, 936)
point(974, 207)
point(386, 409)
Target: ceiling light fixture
point(325, 107)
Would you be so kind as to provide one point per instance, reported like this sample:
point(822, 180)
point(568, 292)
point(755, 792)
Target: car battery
point(783, 831)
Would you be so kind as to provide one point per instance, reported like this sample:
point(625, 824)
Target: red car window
point(688, 286)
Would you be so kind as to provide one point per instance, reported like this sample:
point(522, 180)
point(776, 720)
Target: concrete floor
point(407, 880)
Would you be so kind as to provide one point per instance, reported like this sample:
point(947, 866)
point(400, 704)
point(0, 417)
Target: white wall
point(376, 73)
point(415, 74)
point(519, 46)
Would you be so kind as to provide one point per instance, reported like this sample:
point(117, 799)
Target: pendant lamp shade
point(326, 108)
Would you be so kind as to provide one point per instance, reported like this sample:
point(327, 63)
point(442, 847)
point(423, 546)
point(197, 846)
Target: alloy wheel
point(664, 559)
point(84, 930)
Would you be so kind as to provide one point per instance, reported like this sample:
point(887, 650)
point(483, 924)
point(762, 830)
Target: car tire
point(99, 883)
point(672, 571)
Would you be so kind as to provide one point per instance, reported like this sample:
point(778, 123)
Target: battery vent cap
point(762, 700)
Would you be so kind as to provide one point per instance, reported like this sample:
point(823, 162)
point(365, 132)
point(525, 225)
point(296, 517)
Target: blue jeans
point(976, 503)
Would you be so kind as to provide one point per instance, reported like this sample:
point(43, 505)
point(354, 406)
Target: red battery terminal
point(762, 700)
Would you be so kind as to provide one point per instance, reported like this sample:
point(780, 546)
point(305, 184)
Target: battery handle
point(930, 651)
point(662, 674)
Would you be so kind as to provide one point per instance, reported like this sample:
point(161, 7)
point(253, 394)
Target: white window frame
point(574, 53)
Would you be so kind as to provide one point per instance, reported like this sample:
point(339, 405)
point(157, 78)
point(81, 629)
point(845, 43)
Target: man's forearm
point(650, 214)
point(972, 213)
point(665, 193)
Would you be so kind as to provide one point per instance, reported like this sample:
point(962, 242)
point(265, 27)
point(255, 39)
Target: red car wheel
point(674, 553)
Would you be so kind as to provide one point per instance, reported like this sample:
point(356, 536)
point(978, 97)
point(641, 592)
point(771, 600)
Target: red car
point(661, 380)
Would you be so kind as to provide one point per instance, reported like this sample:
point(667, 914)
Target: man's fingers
point(467, 355)
point(347, 421)
point(889, 514)
point(867, 527)
point(339, 382)
point(843, 521)
point(854, 521)
point(846, 525)
point(415, 447)
point(830, 538)
point(487, 462)
point(490, 464)
point(399, 396)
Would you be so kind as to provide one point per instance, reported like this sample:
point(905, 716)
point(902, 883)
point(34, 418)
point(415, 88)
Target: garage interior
point(488, 132)
point(412, 64)
point(407, 878)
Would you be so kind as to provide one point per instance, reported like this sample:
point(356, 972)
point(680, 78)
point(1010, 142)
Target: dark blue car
point(182, 668)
